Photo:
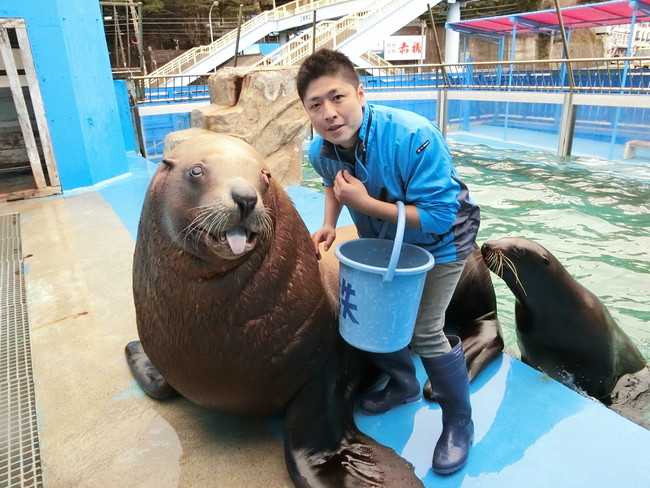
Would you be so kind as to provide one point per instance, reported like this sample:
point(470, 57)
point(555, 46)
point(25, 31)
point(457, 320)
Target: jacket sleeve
point(429, 182)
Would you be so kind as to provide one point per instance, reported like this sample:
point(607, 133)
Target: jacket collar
point(364, 130)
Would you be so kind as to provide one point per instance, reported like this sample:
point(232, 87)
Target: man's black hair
point(325, 62)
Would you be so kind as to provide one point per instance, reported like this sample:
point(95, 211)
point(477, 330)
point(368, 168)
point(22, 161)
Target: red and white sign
point(401, 48)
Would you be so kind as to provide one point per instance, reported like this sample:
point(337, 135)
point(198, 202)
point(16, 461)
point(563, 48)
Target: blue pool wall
point(74, 74)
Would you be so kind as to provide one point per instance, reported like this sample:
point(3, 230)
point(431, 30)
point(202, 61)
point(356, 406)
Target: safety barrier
point(611, 94)
point(590, 75)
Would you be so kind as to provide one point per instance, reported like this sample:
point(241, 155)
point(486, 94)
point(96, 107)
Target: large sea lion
point(232, 314)
point(563, 329)
point(471, 314)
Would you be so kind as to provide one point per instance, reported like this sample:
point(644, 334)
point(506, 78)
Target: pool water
point(593, 215)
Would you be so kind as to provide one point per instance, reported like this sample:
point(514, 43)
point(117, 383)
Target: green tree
point(200, 8)
point(184, 23)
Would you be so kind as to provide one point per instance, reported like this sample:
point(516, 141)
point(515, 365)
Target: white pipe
point(452, 38)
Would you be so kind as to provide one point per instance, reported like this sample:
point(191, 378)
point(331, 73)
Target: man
point(370, 157)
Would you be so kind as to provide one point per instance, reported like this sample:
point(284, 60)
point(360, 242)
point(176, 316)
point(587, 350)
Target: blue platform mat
point(530, 431)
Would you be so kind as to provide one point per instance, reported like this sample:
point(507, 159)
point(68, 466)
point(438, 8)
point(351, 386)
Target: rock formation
point(260, 105)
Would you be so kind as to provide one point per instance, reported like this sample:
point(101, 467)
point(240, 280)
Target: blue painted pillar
point(510, 77)
point(628, 51)
point(563, 69)
point(74, 75)
point(502, 45)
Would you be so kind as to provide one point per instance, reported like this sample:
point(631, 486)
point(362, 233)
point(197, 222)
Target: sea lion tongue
point(237, 239)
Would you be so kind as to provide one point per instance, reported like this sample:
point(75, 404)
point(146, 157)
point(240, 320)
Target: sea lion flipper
point(145, 373)
point(321, 451)
point(484, 344)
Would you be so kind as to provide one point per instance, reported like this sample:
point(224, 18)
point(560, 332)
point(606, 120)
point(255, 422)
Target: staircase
point(203, 59)
point(352, 34)
point(361, 23)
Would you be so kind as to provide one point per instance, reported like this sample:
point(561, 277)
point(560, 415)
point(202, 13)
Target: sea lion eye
point(520, 251)
point(196, 171)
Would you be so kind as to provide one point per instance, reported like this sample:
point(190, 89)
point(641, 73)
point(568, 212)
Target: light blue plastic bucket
point(380, 286)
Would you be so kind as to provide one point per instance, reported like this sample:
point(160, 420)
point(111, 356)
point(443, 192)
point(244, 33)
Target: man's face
point(335, 108)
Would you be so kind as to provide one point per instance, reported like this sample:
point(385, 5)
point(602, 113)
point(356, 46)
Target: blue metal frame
point(74, 73)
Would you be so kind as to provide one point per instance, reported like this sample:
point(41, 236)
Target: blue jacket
point(403, 156)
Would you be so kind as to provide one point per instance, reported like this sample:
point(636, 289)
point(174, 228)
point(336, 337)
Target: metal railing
point(156, 89)
point(294, 49)
point(610, 75)
point(387, 68)
point(194, 55)
point(591, 75)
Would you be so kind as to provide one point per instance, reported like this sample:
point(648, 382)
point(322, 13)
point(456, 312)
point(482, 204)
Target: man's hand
point(327, 235)
point(349, 191)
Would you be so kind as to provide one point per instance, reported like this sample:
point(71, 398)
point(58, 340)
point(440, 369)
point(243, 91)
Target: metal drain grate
point(20, 460)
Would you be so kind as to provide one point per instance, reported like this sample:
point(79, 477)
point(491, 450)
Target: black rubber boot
point(402, 387)
point(450, 384)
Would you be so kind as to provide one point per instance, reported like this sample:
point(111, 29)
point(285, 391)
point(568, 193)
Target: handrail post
point(565, 44)
point(567, 126)
point(435, 38)
point(568, 121)
point(241, 7)
point(441, 112)
point(313, 33)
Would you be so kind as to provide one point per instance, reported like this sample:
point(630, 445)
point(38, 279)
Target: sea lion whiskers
point(216, 223)
point(513, 268)
point(204, 221)
point(211, 221)
point(495, 261)
point(203, 214)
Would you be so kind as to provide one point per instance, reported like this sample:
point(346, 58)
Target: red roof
point(582, 16)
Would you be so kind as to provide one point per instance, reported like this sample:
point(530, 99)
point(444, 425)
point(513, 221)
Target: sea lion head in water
point(232, 313)
point(563, 329)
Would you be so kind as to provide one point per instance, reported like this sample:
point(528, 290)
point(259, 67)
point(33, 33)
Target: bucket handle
point(397, 245)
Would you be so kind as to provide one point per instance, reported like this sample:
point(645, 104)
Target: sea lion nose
point(246, 199)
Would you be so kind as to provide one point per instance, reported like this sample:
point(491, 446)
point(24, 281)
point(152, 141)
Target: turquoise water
point(592, 214)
